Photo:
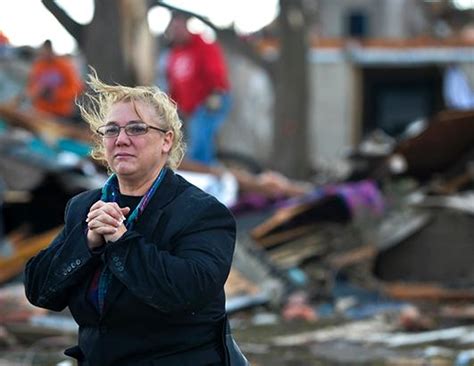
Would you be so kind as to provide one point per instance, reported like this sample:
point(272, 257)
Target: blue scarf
point(111, 193)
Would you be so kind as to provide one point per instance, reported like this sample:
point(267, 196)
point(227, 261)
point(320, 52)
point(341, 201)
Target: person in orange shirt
point(5, 47)
point(3, 39)
point(53, 83)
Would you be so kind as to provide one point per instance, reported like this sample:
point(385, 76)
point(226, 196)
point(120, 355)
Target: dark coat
point(166, 303)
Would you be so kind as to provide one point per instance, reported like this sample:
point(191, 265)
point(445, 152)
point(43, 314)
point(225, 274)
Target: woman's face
point(138, 156)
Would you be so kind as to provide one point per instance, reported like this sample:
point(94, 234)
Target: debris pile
point(377, 259)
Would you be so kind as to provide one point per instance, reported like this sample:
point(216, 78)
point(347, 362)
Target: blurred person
point(198, 82)
point(3, 39)
point(53, 83)
point(141, 263)
point(457, 91)
point(5, 46)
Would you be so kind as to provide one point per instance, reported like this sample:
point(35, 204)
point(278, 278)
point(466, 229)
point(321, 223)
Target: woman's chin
point(124, 169)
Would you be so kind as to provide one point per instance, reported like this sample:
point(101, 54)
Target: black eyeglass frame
point(148, 127)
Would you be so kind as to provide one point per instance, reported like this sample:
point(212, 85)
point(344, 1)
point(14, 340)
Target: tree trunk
point(291, 108)
point(117, 42)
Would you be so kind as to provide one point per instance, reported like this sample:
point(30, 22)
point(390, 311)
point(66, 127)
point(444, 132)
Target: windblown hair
point(96, 104)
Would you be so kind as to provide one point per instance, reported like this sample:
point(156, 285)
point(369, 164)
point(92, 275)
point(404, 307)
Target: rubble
point(384, 253)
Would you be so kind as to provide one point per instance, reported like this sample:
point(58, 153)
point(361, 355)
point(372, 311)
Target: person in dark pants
point(142, 262)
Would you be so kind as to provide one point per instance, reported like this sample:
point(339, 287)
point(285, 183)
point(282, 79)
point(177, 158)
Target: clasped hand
point(105, 222)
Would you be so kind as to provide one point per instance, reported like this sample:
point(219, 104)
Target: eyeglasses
point(131, 129)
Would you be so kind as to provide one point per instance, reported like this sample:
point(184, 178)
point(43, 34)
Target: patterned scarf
point(111, 193)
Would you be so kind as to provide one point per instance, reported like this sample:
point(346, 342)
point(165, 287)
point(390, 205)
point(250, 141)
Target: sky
point(28, 22)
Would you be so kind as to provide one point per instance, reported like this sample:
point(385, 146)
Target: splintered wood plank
point(425, 291)
point(353, 256)
point(295, 252)
point(12, 266)
point(284, 236)
point(48, 127)
point(281, 216)
point(237, 284)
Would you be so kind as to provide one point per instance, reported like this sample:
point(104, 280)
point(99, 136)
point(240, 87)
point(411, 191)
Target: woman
point(141, 263)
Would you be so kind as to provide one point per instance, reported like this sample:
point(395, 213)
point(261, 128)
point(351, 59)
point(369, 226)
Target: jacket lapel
point(146, 225)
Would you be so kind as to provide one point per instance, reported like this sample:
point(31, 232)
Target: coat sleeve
point(53, 272)
point(189, 276)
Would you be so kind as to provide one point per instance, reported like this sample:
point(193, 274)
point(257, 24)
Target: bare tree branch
point(228, 37)
point(233, 42)
point(203, 19)
point(75, 29)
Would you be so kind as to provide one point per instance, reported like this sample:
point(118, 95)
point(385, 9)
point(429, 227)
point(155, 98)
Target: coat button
point(115, 259)
point(69, 269)
point(78, 262)
point(73, 265)
point(120, 269)
point(118, 264)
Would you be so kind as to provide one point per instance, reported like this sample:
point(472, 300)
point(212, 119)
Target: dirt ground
point(257, 343)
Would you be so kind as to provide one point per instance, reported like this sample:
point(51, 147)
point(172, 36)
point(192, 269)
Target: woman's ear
point(168, 142)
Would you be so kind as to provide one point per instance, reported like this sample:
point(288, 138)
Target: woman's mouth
point(123, 156)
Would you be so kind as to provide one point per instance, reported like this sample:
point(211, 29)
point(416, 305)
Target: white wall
point(249, 129)
point(331, 110)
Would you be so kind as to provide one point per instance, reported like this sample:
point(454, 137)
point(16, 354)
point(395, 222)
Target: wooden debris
point(297, 251)
point(458, 311)
point(13, 265)
point(47, 127)
point(14, 307)
point(412, 339)
point(357, 255)
point(327, 208)
point(425, 291)
point(238, 284)
point(448, 136)
point(285, 236)
point(281, 216)
point(358, 331)
point(455, 184)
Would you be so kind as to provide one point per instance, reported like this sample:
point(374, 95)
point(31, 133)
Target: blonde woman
point(141, 263)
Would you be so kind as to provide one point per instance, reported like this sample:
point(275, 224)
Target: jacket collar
point(147, 225)
point(148, 220)
point(165, 193)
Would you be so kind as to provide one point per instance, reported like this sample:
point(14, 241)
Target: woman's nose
point(122, 137)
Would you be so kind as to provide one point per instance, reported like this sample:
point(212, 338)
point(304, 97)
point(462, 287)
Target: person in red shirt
point(53, 83)
point(198, 83)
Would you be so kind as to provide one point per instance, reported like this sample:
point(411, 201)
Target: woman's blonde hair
point(96, 105)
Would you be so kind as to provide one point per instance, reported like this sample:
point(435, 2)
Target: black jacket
point(165, 304)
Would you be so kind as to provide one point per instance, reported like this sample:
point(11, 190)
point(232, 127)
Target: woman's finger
point(105, 219)
point(117, 207)
point(105, 209)
point(97, 205)
point(113, 210)
point(105, 230)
